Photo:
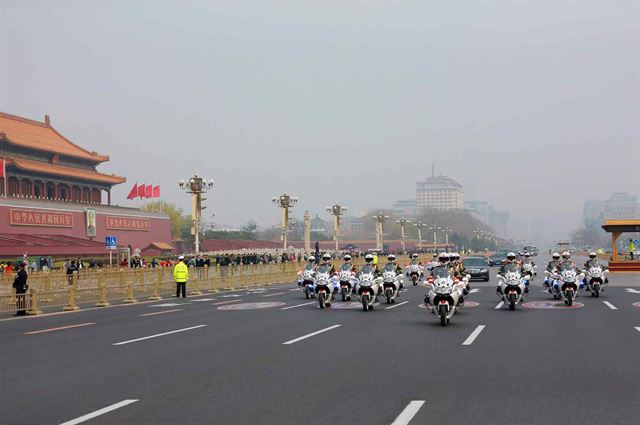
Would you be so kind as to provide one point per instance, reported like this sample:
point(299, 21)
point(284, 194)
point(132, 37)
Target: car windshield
point(471, 262)
point(439, 272)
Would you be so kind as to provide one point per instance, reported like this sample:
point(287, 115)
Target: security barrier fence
point(100, 287)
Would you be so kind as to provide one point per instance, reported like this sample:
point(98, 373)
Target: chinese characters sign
point(128, 223)
point(18, 217)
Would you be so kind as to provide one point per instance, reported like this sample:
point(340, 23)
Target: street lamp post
point(435, 229)
point(420, 225)
point(402, 222)
point(380, 218)
point(447, 231)
point(336, 210)
point(285, 202)
point(196, 186)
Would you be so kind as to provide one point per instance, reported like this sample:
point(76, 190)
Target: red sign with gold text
point(19, 217)
point(128, 223)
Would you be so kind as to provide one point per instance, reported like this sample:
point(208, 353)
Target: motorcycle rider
point(370, 265)
point(511, 259)
point(307, 267)
point(552, 267)
point(592, 262)
point(443, 261)
point(457, 267)
point(392, 262)
point(527, 260)
point(326, 262)
point(347, 262)
point(415, 261)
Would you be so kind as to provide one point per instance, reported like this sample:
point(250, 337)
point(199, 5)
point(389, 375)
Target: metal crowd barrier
point(102, 287)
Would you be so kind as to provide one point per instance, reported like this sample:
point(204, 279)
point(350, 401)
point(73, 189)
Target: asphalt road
point(206, 365)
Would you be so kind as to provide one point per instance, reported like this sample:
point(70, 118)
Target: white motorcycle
point(414, 271)
point(391, 283)
point(513, 286)
point(307, 282)
point(529, 269)
point(348, 282)
point(368, 288)
point(596, 279)
point(324, 287)
point(444, 294)
point(566, 283)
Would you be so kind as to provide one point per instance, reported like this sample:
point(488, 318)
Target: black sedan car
point(477, 267)
point(497, 259)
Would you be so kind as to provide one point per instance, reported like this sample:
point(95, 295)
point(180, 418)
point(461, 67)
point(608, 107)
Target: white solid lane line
point(611, 306)
point(474, 290)
point(227, 302)
point(499, 306)
point(397, 305)
point(98, 412)
point(638, 328)
point(273, 295)
point(293, 341)
point(294, 289)
point(408, 413)
point(473, 335)
point(159, 335)
point(297, 305)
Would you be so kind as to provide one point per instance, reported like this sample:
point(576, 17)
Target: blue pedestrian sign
point(111, 242)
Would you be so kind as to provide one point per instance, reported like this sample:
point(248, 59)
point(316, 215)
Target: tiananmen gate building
point(54, 202)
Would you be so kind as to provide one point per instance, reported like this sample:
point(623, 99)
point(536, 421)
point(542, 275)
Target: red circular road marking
point(251, 306)
point(636, 305)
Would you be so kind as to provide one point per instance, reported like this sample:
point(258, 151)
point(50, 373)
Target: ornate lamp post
point(285, 202)
point(196, 186)
point(380, 218)
point(402, 222)
point(435, 230)
point(420, 225)
point(447, 231)
point(336, 210)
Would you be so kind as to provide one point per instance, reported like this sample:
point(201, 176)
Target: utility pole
point(435, 230)
point(402, 222)
point(446, 231)
point(196, 186)
point(420, 225)
point(336, 210)
point(379, 219)
point(285, 202)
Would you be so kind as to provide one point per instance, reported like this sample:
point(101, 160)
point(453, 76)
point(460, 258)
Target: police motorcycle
point(444, 294)
point(307, 279)
point(368, 287)
point(414, 271)
point(529, 269)
point(348, 281)
point(513, 285)
point(326, 286)
point(391, 282)
point(566, 282)
point(596, 279)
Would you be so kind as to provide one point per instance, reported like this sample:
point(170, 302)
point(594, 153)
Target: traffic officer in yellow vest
point(181, 275)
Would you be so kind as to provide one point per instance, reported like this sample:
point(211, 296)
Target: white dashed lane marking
point(97, 413)
point(408, 413)
point(473, 335)
point(293, 341)
point(611, 306)
point(159, 335)
point(297, 305)
point(397, 305)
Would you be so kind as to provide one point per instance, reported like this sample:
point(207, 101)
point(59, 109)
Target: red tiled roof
point(41, 136)
point(59, 170)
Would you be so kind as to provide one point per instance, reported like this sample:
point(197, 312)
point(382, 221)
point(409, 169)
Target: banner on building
point(128, 223)
point(43, 218)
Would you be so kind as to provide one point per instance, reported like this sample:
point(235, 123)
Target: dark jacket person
point(20, 284)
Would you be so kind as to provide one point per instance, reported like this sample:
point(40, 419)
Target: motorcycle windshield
point(324, 269)
point(510, 268)
point(440, 272)
point(389, 268)
point(308, 267)
point(346, 267)
point(366, 269)
point(567, 266)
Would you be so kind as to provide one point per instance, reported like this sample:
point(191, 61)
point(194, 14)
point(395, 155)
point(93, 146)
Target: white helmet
point(443, 257)
point(414, 255)
point(511, 256)
point(566, 255)
point(454, 256)
point(556, 256)
point(311, 259)
point(592, 255)
point(368, 258)
point(526, 254)
point(326, 257)
point(181, 257)
point(391, 257)
point(347, 257)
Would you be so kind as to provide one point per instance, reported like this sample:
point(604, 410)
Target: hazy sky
point(533, 107)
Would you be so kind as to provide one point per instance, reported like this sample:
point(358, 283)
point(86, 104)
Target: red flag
point(149, 191)
point(134, 191)
point(156, 191)
point(141, 191)
point(2, 169)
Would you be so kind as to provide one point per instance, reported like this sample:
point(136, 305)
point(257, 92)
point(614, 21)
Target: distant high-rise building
point(405, 207)
point(479, 209)
point(619, 206)
point(439, 192)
